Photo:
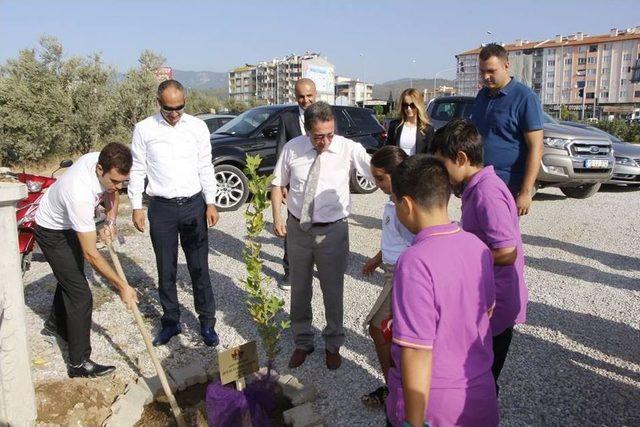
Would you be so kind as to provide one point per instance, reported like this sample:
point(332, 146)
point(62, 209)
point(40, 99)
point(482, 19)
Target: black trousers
point(184, 218)
point(72, 302)
point(501, 343)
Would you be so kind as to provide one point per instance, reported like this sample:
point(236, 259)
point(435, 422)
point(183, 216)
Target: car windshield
point(548, 119)
point(246, 123)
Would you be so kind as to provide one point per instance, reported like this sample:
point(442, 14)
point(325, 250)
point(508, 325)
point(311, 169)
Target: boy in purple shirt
point(488, 211)
point(442, 293)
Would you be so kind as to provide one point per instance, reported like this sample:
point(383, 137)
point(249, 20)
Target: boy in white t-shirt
point(395, 239)
point(66, 233)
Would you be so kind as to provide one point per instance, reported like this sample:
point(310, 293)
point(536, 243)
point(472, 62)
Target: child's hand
point(370, 266)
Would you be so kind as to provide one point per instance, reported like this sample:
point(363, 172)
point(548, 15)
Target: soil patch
point(192, 404)
point(77, 401)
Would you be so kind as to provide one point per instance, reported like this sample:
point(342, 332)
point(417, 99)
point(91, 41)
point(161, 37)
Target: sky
point(372, 40)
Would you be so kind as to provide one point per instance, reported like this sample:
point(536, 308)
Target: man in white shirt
point(66, 233)
point(291, 125)
point(317, 167)
point(172, 150)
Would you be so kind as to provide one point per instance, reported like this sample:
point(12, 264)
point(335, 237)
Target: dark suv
point(255, 132)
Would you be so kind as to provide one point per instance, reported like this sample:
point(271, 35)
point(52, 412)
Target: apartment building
point(559, 69)
point(352, 91)
point(274, 81)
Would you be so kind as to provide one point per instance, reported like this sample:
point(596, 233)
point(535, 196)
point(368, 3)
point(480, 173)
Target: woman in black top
point(413, 131)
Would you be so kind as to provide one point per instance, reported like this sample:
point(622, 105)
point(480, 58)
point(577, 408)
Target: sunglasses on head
point(177, 109)
point(412, 105)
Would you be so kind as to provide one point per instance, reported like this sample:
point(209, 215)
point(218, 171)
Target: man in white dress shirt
point(66, 233)
point(172, 150)
point(291, 125)
point(317, 167)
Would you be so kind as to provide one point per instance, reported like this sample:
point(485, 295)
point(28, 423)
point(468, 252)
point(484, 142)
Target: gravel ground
point(576, 361)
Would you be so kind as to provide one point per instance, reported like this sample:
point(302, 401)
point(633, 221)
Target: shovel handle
point(177, 413)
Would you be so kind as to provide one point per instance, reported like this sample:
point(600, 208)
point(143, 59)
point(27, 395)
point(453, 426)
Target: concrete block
point(188, 375)
point(307, 394)
point(138, 395)
point(123, 415)
point(302, 416)
point(154, 385)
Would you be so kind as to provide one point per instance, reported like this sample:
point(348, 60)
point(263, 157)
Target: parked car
point(255, 132)
point(576, 160)
point(214, 121)
point(627, 168)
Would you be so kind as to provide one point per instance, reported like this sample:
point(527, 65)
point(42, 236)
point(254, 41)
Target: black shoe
point(209, 336)
point(89, 369)
point(166, 334)
point(51, 330)
point(286, 282)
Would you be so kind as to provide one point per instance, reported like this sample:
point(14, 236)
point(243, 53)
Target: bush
point(629, 132)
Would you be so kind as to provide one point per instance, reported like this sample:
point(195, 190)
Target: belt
point(178, 200)
point(316, 224)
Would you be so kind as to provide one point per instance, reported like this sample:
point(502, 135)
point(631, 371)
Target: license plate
point(596, 164)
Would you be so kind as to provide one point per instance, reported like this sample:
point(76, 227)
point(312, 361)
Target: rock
point(188, 375)
point(154, 385)
point(302, 416)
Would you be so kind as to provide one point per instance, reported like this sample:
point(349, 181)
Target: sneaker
point(165, 334)
point(89, 369)
point(209, 336)
point(286, 282)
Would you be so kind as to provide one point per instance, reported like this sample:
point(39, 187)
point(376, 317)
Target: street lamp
point(413, 61)
point(435, 79)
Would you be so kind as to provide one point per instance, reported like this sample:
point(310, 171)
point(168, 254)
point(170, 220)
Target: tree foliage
point(263, 307)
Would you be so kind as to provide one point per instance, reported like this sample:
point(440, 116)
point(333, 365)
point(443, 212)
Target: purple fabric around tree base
point(226, 405)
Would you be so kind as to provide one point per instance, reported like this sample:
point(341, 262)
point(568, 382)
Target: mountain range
point(218, 83)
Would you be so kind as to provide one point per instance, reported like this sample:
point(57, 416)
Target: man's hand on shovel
point(129, 297)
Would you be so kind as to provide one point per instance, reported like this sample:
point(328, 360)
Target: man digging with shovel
point(66, 234)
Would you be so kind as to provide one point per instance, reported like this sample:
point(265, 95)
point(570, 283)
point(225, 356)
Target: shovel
point(147, 340)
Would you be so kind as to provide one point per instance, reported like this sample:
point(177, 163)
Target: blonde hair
point(416, 97)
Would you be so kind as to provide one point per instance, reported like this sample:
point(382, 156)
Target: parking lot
point(576, 361)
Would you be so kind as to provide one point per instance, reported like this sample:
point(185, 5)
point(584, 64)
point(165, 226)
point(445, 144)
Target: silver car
point(627, 167)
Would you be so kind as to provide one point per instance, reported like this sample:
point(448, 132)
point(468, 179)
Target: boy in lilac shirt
point(442, 292)
point(488, 211)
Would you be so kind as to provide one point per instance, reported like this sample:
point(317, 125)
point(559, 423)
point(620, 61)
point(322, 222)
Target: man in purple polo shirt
point(509, 117)
point(442, 294)
point(489, 212)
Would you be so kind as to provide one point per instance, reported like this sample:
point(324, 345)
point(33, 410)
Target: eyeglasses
point(179, 109)
point(412, 105)
point(321, 137)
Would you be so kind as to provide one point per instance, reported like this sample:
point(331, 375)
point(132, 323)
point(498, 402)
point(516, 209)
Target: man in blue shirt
point(509, 117)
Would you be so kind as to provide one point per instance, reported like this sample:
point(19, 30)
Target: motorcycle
point(26, 209)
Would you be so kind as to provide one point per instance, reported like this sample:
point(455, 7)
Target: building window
point(550, 85)
point(604, 95)
point(592, 60)
point(593, 48)
point(623, 94)
point(551, 74)
point(604, 82)
point(592, 72)
point(607, 46)
point(591, 83)
point(605, 71)
point(537, 64)
point(566, 85)
point(568, 61)
point(551, 51)
point(567, 74)
point(606, 60)
point(591, 95)
point(626, 57)
point(537, 75)
point(628, 69)
point(582, 61)
point(565, 96)
point(582, 49)
point(623, 82)
point(551, 63)
point(636, 94)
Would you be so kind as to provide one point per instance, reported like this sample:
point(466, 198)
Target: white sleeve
point(206, 171)
point(138, 169)
point(81, 213)
point(282, 171)
point(361, 161)
point(403, 231)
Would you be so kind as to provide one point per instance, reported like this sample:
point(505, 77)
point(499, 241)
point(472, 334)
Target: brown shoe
point(334, 360)
point(298, 357)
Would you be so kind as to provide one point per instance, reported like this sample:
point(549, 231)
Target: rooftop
point(576, 39)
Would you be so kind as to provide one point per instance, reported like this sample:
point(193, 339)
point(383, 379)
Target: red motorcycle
point(26, 209)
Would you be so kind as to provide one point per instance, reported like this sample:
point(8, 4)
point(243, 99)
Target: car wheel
point(233, 188)
point(360, 185)
point(582, 192)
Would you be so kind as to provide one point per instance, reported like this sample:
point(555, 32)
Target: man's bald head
point(305, 92)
